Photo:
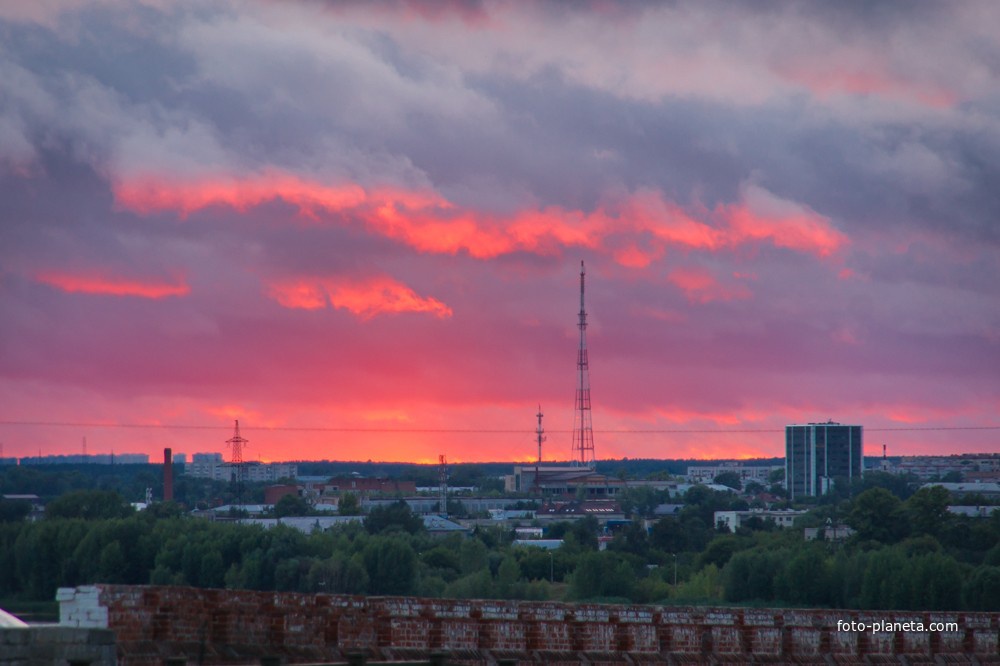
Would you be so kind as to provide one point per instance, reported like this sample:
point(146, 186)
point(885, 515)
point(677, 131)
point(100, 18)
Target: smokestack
point(168, 475)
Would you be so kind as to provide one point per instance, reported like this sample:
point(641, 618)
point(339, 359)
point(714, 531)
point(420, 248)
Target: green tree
point(721, 549)
point(88, 505)
point(13, 511)
point(632, 539)
point(937, 583)
point(982, 590)
point(887, 581)
point(212, 571)
point(641, 500)
point(750, 574)
point(477, 585)
point(878, 515)
point(508, 575)
point(602, 575)
point(443, 560)
point(729, 479)
point(391, 564)
point(668, 535)
point(805, 579)
point(900, 485)
point(473, 556)
point(396, 516)
point(928, 510)
point(585, 531)
point(291, 505)
point(349, 505)
point(706, 585)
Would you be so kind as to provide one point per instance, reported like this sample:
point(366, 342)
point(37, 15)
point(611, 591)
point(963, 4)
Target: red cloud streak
point(110, 286)
point(368, 298)
point(429, 223)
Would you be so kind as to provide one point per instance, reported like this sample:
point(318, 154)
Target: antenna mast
point(583, 429)
point(236, 442)
point(540, 432)
point(443, 479)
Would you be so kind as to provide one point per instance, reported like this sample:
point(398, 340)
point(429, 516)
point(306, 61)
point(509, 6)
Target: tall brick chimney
point(168, 475)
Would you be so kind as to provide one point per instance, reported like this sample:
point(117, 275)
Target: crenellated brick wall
point(154, 624)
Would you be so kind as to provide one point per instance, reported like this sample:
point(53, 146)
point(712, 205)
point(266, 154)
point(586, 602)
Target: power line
point(487, 431)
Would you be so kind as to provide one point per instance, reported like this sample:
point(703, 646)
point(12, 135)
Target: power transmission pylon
point(236, 443)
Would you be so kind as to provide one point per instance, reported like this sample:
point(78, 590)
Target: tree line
point(910, 554)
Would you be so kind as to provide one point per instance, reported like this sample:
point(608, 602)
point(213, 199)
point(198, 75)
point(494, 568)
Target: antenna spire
point(540, 432)
point(443, 480)
point(583, 429)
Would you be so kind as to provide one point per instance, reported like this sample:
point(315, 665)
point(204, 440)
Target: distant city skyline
point(369, 218)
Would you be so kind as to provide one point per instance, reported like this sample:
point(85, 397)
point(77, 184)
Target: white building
point(747, 473)
point(988, 490)
point(252, 471)
point(829, 533)
point(732, 520)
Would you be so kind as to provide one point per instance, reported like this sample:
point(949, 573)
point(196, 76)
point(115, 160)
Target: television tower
point(236, 442)
point(540, 433)
point(583, 429)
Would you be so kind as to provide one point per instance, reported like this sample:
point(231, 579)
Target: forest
point(906, 554)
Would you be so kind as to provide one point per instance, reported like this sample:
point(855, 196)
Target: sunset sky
point(358, 227)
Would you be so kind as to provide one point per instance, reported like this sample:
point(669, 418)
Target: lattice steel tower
point(540, 433)
point(583, 428)
point(237, 442)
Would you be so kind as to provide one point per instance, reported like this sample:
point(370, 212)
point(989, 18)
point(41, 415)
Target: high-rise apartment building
point(818, 453)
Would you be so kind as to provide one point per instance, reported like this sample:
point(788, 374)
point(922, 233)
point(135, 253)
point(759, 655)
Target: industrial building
point(561, 481)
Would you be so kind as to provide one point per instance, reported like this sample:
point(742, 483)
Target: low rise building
point(987, 490)
point(37, 509)
point(827, 533)
point(733, 520)
point(561, 481)
point(747, 473)
point(249, 471)
point(974, 511)
point(604, 511)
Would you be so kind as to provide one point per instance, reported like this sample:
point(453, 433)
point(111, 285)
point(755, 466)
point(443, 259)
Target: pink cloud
point(111, 286)
point(828, 78)
point(365, 298)
point(643, 222)
point(762, 216)
point(699, 285)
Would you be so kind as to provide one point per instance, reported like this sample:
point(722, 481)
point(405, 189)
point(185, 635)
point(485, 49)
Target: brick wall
point(153, 624)
point(50, 645)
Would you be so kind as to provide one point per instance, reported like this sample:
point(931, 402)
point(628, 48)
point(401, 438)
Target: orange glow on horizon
point(109, 286)
point(269, 442)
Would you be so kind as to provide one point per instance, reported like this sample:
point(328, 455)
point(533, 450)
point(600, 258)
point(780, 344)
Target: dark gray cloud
point(858, 156)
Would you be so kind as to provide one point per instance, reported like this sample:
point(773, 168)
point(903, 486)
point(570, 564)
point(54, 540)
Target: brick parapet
point(239, 626)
